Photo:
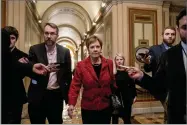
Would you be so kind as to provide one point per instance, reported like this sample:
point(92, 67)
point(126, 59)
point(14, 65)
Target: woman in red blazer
point(94, 74)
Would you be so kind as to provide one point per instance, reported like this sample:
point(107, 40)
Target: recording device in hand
point(143, 55)
point(59, 65)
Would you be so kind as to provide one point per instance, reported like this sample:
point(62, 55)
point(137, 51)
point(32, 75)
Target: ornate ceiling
point(75, 18)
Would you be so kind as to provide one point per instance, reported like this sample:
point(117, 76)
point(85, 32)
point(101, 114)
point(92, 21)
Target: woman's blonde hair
point(114, 61)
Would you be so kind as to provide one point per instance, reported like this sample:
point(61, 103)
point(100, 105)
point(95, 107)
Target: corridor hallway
point(124, 26)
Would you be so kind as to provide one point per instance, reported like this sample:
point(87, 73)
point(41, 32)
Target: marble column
point(16, 18)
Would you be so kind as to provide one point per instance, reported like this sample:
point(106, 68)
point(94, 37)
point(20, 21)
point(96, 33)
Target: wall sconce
point(103, 4)
point(85, 34)
point(93, 23)
point(39, 21)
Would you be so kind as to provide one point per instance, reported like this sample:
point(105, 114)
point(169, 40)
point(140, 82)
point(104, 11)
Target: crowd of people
point(49, 66)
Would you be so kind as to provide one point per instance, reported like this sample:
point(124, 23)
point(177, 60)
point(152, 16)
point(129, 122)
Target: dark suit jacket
point(38, 54)
point(17, 88)
point(155, 53)
point(170, 78)
point(8, 65)
point(96, 91)
point(126, 87)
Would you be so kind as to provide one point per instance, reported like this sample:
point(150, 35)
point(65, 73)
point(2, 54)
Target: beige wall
point(120, 26)
point(16, 18)
point(20, 16)
point(173, 16)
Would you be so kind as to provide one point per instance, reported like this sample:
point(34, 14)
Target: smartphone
point(143, 55)
point(60, 65)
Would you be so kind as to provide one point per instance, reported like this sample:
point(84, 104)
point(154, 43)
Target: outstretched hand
point(40, 69)
point(147, 58)
point(52, 67)
point(133, 72)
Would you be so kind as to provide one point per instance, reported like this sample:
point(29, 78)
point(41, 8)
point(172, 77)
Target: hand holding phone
point(59, 65)
point(143, 55)
point(53, 67)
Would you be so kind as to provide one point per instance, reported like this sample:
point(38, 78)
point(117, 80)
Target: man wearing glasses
point(46, 95)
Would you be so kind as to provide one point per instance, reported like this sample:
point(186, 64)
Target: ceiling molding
point(72, 27)
point(166, 4)
point(67, 39)
point(73, 7)
point(174, 8)
point(151, 2)
point(70, 11)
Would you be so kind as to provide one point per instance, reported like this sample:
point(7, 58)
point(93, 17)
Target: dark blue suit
point(155, 52)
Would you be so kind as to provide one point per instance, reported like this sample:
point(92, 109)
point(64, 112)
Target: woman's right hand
point(70, 111)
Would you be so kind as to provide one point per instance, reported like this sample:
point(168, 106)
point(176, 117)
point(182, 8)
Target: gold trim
point(135, 11)
point(32, 8)
point(3, 13)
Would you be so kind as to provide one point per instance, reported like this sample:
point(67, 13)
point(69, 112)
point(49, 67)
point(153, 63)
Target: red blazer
point(96, 91)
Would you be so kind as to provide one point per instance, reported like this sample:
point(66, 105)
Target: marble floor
point(137, 119)
point(146, 118)
point(144, 100)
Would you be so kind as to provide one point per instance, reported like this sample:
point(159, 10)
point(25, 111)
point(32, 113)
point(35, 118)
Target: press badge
point(34, 81)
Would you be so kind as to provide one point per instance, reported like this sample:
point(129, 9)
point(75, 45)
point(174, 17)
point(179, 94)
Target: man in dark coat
point(171, 76)
point(17, 89)
point(9, 65)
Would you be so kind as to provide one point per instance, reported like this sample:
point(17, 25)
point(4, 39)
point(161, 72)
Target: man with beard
point(151, 61)
point(46, 95)
point(171, 76)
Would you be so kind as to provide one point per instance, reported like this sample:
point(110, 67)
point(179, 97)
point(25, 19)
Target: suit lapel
point(104, 65)
point(60, 59)
point(44, 53)
point(180, 65)
point(58, 54)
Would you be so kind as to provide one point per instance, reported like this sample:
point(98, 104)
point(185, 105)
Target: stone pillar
point(165, 13)
point(120, 18)
point(114, 29)
point(16, 18)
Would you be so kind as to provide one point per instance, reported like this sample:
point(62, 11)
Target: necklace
point(95, 64)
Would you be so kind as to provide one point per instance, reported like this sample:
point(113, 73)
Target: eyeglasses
point(51, 34)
